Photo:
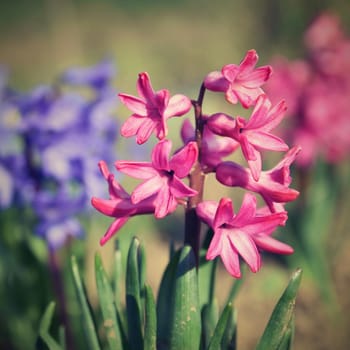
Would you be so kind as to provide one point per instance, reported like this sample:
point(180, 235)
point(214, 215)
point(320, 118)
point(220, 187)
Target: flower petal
point(206, 211)
point(272, 245)
point(178, 105)
point(230, 258)
point(139, 170)
point(135, 104)
point(131, 126)
point(145, 89)
point(160, 155)
point(165, 203)
point(113, 228)
point(179, 190)
point(224, 213)
point(216, 244)
point(146, 189)
point(183, 160)
point(215, 81)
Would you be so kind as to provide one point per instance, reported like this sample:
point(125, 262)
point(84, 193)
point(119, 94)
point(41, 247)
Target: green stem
point(197, 177)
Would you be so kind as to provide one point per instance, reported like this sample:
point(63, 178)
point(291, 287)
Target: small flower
point(151, 110)
point(273, 185)
point(253, 134)
point(240, 82)
point(162, 176)
point(213, 148)
point(119, 204)
point(241, 234)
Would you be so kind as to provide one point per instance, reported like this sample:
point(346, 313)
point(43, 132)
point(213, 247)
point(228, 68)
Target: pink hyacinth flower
point(273, 185)
point(151, 110)
point(253, 134)
point(162, 176)
point(119, 204)
point(242, 234)
point(240, 82)
point(213, 148)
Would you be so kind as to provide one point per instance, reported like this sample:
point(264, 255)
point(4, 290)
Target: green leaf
point(210, 315)
point(229, 339)
point(44, 327)
point(106, 299)
point(185, 330)
point(206, 278)
point(133, 298)
point(165, 302)
point(220, 328)
point(150, 342)
point(281, 317)
point(117, 275)
point(88, 322)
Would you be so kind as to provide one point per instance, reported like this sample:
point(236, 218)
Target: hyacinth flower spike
point(273, 185)
point(119, 204)
point(241, 83)
point(162, 176)
point(151, 110)
point(253, 134)
point(241, 234)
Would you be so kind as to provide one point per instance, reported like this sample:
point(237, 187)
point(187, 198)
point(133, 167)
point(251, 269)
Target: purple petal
point(215, 81)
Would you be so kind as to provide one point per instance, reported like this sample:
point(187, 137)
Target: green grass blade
point(229, 339)
point(88, 322)
point(281, 316)
point(117, 275)
point(44, 328)
point(215, 342)
point(185, 330)
point(133, 300)
point(150, 342)
point(106, 299)
point(210, 316)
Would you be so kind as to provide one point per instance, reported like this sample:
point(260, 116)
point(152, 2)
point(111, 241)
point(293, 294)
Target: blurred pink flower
point(213, 149)
point(273, 185)
point(151, 110)
point(240, 82)
point(119, 204)
point(241, 234)
point(254, 134)
point(162, 176)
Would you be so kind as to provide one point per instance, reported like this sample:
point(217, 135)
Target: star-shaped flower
point(242, 234)
point(162, 176)
point(253, 134)
point(151, 110)
point(240, 82)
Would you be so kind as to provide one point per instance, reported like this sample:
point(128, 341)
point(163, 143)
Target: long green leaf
point(220, 328)
point(88, 322)
point(229, 339)
point(281, 316)
point(44, 327)
point(165, 302)
point(133, 300)
point(185, 330)
point(150, 342)
point(210, 315)
point(106, 299)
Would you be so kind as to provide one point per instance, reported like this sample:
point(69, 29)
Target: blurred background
point(177, 43)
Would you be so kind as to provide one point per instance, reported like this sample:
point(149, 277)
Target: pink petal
point(182, 161)
point(249, 61)
point(246, 247)
point(131, 126)
point(139, 170)
point(230, 258)
point(105, 206)
point(145, 130)
point(249, 152)
point(179, 190)
point(276, 115)
point(147, 189)
point(216, 244)
point(135, 104)
point(165, 203)
point(260, 113)
point(145, 89)
point(272, 245)
point(224, 213)
point(160, 155)
point(113, 228)
point(255, 166)
point(230, 72)
point(221, 124)
point(247, 96)
point(215, 81)
point(247, 210)
point(232, 174)
point(257, 77)
point(266, 140)
point(206, 211)
point(178, 105)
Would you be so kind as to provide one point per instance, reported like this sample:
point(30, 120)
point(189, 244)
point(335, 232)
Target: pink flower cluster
point(317, 91)
point(163, 186)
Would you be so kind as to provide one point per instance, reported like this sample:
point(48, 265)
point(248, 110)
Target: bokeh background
point(177, 43)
